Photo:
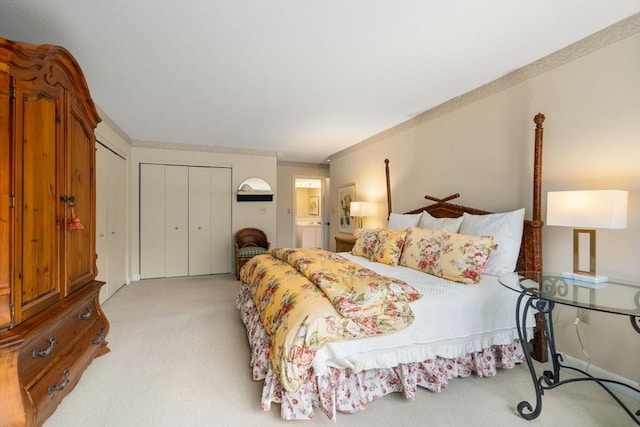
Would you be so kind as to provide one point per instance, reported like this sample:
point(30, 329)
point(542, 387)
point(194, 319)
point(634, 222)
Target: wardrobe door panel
point(152, 221)
point(80, 243)
point(6, 193)
point(177, 221)
point(199, 221)
point(39, 181)
point(222, 239)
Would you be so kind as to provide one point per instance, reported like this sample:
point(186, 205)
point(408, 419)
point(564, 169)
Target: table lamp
point(359, 210)
point(586, 211)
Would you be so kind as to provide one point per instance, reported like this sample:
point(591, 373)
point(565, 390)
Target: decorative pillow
point(403, 221)
point(506, 229)
point(366, 241)
point(389, 248)
point(452, 256)
point(451, 225)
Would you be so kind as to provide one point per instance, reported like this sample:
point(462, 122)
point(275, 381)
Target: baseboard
point(135, 278)
point(601, 373)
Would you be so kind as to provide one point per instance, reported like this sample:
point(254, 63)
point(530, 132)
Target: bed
point(334, 332)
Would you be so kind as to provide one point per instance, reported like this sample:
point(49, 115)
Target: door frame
point(324, 212)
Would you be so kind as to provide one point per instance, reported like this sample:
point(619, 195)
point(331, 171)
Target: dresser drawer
point(52, 341)
point(47, 392)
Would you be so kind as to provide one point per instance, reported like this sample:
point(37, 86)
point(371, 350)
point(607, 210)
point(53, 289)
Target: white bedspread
point(451, 320)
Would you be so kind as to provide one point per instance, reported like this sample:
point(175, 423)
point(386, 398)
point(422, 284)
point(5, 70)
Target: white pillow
point(506, 229)
point(403, 221)
point(452, 225)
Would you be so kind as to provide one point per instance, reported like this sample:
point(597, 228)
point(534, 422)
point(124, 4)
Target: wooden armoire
point(51, 322)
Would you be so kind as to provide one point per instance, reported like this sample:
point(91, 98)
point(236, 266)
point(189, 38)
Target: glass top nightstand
point(541, 292)
point(610, 297)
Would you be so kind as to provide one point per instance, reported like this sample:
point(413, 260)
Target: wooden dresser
point(51, 322)
point(345, 242)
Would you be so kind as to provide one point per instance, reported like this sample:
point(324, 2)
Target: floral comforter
point(307, 298)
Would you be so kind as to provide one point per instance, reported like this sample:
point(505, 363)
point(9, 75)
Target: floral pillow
point(452, 256)
point(366, 242)
point(389, 248)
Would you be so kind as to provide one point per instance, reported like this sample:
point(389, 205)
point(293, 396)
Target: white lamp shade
point(361, 209)
point(588, 209)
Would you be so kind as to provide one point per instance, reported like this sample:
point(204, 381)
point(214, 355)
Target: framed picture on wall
point(346, 195)
point(314, 205)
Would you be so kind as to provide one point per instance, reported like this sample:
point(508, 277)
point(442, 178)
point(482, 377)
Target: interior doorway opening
point(309, 229)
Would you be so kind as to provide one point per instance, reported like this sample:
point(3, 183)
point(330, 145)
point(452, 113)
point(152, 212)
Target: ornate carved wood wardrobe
point(51, 322)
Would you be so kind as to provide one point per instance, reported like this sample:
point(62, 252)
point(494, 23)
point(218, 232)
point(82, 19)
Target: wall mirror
point(254, 190)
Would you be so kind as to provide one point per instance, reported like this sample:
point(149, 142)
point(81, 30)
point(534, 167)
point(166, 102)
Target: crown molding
point(608, 36)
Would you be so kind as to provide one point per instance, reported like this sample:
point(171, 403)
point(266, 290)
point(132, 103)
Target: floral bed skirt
point(346, 391)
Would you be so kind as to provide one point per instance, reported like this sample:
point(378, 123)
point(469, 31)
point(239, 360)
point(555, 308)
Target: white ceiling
point(303, 78)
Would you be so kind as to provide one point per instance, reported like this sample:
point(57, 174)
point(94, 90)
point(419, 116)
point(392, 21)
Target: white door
point(222, 240)
point(116, 220)
point(102, 193)
point(185, 221)
point(111, 197)
point(200, 221)
point(176, 221)
point(152, 221)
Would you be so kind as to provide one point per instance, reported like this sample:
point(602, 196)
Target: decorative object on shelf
point(346, 195)
point(314, 205)
point(587, 210)
point(254, 190)
point(360, 210)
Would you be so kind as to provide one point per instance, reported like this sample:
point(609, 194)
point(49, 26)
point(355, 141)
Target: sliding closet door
point(102, 197)
point(177, 221)
point(117, 223)
point(222, 249)
point(185, 221)
point(111, 245)
point(152, 221)
point(209, 220)
point(199, 221)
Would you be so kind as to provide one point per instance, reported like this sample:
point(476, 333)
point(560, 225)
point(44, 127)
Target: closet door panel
point(116, 213)
point(152, 221)
point(102, 244)
point(199, 221)
point(177, 221)
point(222, 239)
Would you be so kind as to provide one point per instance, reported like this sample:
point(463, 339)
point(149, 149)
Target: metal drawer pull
point(60, 386)
point(87, 315)
point(45, 351)
point(99, 338)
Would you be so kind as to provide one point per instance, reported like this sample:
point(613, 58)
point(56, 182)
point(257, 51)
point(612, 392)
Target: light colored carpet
point(179, 357)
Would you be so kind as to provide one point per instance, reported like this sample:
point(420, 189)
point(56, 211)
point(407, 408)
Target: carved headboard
point(530, 258)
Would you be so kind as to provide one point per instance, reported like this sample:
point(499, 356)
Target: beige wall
point(287, 173)
point(481, 146)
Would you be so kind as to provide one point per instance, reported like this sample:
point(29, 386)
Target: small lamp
point(587, 210)
point(359, 210)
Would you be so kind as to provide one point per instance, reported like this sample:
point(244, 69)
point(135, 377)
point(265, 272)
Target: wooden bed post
point(530, 257)
point(539, 341)
point(386, 170)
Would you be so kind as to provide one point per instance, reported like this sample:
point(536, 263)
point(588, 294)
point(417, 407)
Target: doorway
point(309, 224)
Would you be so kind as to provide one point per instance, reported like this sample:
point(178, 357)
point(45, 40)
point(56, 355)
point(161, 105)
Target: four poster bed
point(413, 305)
